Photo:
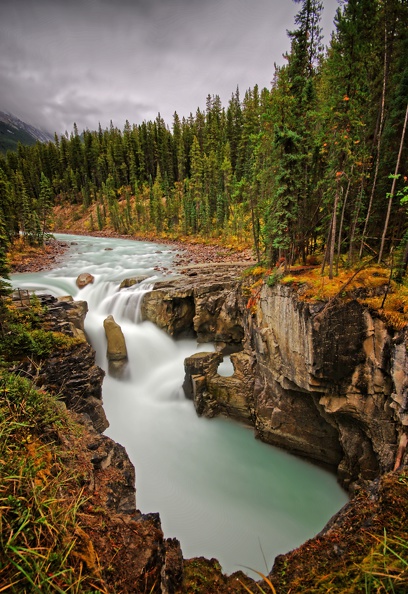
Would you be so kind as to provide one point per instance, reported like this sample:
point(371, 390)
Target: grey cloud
point(91, 61)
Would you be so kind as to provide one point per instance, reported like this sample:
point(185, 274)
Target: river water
point(222, 493)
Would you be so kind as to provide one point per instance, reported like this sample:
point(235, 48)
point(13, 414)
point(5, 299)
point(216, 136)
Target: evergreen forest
point(315, 165)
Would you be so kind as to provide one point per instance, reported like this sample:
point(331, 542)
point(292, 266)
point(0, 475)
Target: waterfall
point(125, 304)
point(222, 493)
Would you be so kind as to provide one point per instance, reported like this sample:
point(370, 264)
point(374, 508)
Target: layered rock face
point(73, 374)
point(325, 381)
point(333, 381)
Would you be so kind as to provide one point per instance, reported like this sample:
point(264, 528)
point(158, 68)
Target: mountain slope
point(13, 131)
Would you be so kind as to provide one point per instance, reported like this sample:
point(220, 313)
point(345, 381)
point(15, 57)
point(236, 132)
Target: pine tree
point(294, 137)
point(45, 203)
point(5, 287)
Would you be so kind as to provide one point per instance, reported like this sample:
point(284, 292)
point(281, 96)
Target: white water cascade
point(222, 493)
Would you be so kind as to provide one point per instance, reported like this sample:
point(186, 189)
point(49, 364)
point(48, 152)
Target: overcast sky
point(91, 61)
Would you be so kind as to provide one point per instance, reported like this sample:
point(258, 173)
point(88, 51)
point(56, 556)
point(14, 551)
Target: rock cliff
point(203, 303)
point(327, 381)
point(332, 381)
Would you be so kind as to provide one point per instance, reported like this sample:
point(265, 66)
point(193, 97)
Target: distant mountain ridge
point(13, 130)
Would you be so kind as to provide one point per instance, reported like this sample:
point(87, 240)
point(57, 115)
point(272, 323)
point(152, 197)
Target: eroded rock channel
point(324, 381)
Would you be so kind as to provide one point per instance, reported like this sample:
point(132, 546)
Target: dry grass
point(20, 251)
point(40, 497)
point(371, 286)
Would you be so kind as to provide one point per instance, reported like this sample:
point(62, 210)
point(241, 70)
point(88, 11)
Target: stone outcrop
point(214, 394)
point(77, 312)
point(133, 553)
point(130, 282)
point(71, 373)
point(328, 374)
point(325, 381)
point(350, 550)
point(202, 303)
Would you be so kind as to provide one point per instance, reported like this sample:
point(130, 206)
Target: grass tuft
point(40, 497)
point(385, 569)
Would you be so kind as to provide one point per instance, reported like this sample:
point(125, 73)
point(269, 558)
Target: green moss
point(22, 333)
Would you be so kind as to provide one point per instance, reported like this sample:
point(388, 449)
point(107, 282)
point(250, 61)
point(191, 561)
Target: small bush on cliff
point(274, 278)
point(22, 335)
point(40, 497)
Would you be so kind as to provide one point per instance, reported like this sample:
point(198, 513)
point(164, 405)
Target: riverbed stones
point(84, 279)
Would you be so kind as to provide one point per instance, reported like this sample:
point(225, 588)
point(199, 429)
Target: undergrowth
point(22, 332)
point(385, 569)
point(40, 496)
point(371, 286)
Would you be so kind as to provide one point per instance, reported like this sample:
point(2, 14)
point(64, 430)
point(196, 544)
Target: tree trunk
point(379, 136)
point(341, 224)
point(333, 231)
point(354, 225)
point(394, 181)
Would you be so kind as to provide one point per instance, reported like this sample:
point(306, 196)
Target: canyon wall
point(327, 381)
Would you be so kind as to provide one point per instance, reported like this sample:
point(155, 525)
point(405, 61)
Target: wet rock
point(198, 369)
point(71, 373)
point(213, 394)
point(131, 549)
point(234, 394)
point(77, 313)
point(328, 382)
point(130, 282)
point(171, 309)
point(84, 279)
point(116, 349)
point(133, 554)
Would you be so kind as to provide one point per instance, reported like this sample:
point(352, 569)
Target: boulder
point(84, 279)
point(116, 350)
